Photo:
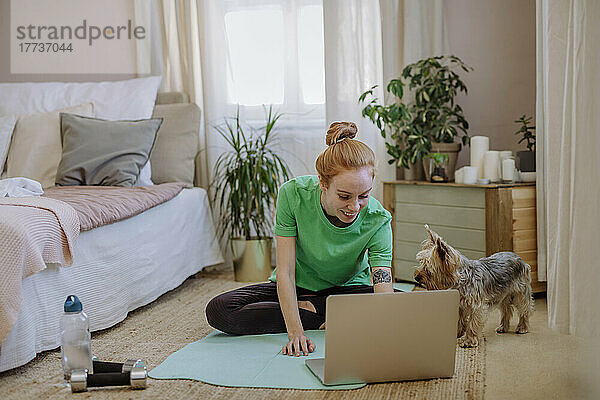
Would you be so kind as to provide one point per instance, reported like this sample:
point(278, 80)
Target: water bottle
point(75, 338)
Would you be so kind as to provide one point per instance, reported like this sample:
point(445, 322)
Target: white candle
point(470, 175)
point(504, 154)
point(508, 169)
point(491, 166)
point(479, 146)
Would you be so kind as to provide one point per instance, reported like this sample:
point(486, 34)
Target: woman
point(332, 237)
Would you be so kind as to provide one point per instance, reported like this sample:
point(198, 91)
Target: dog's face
point(438, 263)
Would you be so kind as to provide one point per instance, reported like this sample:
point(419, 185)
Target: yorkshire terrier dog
point(502, 279)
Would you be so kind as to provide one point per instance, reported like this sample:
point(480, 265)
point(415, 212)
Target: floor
point(541, 364)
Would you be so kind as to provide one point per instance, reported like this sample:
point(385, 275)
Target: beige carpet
point(176, 319)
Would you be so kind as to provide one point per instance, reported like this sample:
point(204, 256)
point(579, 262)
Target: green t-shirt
point(327, 255)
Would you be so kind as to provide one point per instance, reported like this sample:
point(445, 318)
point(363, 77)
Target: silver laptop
point(388, 337)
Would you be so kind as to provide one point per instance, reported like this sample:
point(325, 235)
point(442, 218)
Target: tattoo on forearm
point(382, 275)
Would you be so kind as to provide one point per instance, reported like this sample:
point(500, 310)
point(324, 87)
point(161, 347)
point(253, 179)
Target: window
point(275, 55)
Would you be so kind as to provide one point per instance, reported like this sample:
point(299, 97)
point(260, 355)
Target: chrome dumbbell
point(132, 373)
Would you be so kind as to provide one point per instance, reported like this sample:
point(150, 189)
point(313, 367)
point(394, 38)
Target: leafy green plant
point(247, 177)
point(438, 158)
point(527, 131)
point(431, 116)
point(392, 120)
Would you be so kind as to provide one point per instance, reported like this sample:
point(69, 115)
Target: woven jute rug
point(177, 318)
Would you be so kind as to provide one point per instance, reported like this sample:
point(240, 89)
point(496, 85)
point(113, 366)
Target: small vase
point(452, 149)
point(436, 172)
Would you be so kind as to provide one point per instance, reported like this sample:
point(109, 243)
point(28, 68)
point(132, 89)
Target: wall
point(113, 11)
point(497, 39)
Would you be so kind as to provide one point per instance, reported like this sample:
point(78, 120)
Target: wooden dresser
point(477, 220)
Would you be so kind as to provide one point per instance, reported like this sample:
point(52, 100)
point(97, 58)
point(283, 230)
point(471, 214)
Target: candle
point(470, 175)
point(491, 166)
point(504, 154)
point(479, 145)
point(508, 169)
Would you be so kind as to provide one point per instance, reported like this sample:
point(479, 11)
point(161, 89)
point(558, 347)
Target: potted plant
point(432, 120)
point(435, 85)
point(526, 157)
point(436, 167)
point(405, 144)
point(245, 184)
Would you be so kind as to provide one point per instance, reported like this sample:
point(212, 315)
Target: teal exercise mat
point(245, 361)
point(404, 286)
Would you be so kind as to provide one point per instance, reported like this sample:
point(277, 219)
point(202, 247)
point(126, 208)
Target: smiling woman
point(332, 237)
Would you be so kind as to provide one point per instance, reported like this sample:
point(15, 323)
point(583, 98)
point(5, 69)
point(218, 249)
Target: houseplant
point(435, 85)
point(405, 143)
point(432, 120)
point(245, 184)
point(526, 157)
point(436, 167)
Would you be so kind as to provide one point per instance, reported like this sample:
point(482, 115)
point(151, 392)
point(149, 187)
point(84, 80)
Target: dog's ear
point(432, 235)
point(441, 249)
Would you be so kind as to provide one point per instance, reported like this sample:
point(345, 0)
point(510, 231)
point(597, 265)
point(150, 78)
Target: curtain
point(175, 34)
point(568, 145)
point(368, 42)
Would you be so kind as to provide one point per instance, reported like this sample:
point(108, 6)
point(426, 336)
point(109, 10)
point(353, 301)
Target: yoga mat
point(403, 286)
point(245, 361)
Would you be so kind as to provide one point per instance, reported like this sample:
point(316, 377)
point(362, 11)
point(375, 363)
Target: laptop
point(388, 337)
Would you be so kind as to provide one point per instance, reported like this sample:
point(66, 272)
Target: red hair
point(343, 152)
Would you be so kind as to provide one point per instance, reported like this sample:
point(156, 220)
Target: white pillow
point(7, 124)
point(132, 99)
point(145, 178)
point(36, 146)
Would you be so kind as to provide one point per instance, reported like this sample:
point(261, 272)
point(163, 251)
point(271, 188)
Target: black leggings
point(254, 309)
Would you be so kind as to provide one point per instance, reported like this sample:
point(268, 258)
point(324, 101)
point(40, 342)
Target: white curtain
point(568, 147)
point(192, 51)
point(368, 42)
point(175, 55)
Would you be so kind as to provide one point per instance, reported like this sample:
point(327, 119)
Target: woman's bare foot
point(307, 305)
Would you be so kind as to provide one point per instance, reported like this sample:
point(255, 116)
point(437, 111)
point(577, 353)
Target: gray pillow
point(105, 153)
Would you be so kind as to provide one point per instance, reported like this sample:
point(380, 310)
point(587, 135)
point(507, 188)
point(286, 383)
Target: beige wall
point(124, 9)
point(497, 39)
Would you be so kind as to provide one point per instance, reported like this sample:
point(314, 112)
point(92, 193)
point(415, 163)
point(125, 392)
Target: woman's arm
point(382, 280)
point(286, 291)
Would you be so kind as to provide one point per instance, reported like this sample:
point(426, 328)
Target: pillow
point(7, 124)
point(132, 99)
point(176, 145)
point(101, 152)
point(145, 178)
point(36, 149)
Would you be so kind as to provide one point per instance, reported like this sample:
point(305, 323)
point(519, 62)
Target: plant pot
point(452, 150)
point(415, 172)
point(526, 161)
point(251, 259)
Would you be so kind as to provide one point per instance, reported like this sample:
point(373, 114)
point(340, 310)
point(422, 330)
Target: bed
point(123, 265)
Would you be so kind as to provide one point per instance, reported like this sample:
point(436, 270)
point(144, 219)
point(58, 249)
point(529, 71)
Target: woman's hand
point(298, 343)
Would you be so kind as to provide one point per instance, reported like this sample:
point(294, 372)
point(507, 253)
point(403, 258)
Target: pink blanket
point(102, 205)
point(33, 231)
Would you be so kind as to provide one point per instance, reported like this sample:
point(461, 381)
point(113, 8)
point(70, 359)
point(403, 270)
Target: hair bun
point(339, 131)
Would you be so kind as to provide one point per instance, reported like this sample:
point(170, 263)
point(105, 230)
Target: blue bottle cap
point(72, 304)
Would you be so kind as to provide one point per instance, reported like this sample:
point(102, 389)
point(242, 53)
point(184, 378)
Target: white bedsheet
point(117, 268)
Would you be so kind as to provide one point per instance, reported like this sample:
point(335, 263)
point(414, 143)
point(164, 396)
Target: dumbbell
point(135, 376)
point(107, 366)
